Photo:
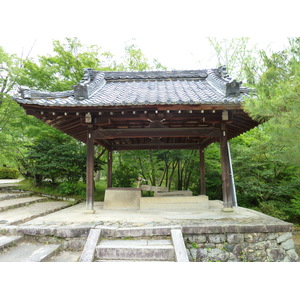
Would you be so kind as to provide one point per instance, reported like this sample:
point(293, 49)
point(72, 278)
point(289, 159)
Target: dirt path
point(296, 238)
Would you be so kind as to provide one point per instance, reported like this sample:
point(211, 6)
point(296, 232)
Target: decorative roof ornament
point(91, 82)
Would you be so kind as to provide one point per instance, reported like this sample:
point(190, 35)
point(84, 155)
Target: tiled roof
point(143, 88)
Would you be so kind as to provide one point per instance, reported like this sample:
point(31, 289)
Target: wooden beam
point(109, 168)
point(226, 183)
point(149, 146)
point(90, 171)
point(157, 132)
point(202, 172)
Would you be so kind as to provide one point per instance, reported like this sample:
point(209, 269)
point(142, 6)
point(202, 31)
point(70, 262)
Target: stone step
point(18, 202)
point(141, 249)
point(7, 196)
point(20, 215)
point(29, 252)
point(66, 256)
point(7, 241)
point(127, 260)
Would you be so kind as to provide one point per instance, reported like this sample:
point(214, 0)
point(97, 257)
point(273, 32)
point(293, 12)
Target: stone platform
point(131, 199)
point(209, 233)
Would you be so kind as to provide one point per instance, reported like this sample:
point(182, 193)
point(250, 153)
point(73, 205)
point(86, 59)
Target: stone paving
point(41, 219)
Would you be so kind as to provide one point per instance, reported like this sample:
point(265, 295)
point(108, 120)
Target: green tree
point(58, 157)
point(277, 99)
point(243, 60)
point(59, 72)
point(265, 159)
point(135, 60)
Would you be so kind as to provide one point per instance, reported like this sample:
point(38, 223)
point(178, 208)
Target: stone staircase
point(101, 245)
point(168, 248)
point(16, 249)
point(134, 249)
point(17, 207)
point(120, 250)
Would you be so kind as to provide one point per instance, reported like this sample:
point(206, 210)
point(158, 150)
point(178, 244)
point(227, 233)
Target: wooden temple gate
point(147, 110)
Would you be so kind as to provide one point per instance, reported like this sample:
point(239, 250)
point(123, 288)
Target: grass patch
point(76, 191)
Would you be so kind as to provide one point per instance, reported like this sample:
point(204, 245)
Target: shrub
point(275, 209)
point(9, 173)
point(68, 188)
point(124, 176)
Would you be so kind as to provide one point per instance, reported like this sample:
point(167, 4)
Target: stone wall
point(241, 247)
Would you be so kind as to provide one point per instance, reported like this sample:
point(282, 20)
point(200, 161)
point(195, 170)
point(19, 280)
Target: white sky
point(174, 32)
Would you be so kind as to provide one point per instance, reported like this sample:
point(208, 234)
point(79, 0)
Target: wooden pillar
point(109, 168)
point(226, 185)
point(202, 173)
point(90, 171)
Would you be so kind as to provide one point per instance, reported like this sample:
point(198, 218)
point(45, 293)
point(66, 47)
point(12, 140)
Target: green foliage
point(135, 60)
point(65, 68)
point(9, 72)
point(56, 157)
point(242, 60)
point(124, 176)
point(68, 188)
point(9, 173)
point(277, 99)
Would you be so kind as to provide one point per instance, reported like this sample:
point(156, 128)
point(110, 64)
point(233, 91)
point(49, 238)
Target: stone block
point(275, 254)
point(193, 253)
point(216, 238)
point(174, 203)
point(284, 237)
point(201, 255)
point(122, 198)
point(293, 256)
point(151, 188)
point(287, 245)
point(217, 255)
point(88, 253)
point(272, 236)
point(179, 246)
point(255, 237)
point(235, 238)
point(173, 194)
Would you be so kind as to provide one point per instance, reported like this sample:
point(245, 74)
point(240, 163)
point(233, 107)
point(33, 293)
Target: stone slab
point(6, 196)
point(145, 231)
point(26, 213)
point(13, 203)
point(88, 253)
point(179, 246)
point(175, 203)
point(151, 188)
point(6, 241)
point(66, 256)
point(28, 252)
point(173, 194)
point(54, 230)
point(122, 198)
point(135, 250)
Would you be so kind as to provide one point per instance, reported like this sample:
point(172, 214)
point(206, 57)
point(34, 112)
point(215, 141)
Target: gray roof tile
point(143, 88)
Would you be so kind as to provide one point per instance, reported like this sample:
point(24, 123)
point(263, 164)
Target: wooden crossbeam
point(150, 146)
point(156, 132)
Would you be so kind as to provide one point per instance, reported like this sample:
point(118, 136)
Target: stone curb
point(88, 253)
point(107, 231)
point(270, 228)
point(63, 232)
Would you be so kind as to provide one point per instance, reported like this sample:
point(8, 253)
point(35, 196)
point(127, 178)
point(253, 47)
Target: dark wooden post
point(226, 186)
point(202, 173)
point(109, 168)
point(90, 171)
